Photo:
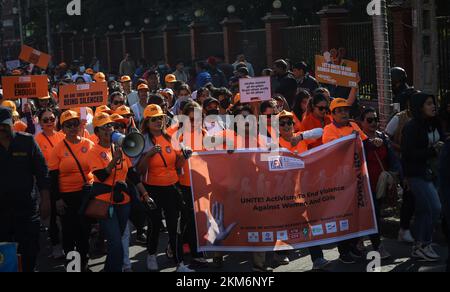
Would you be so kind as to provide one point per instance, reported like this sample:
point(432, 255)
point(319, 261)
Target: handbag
point(94, 209)
point(388, 184)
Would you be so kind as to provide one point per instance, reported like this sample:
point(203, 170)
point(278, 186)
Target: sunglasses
point(107, 126)
point(283, 124)
point(72, 125)
point(322, 108)
point(48, 120)
point(156, 119)
point(372, 120)
point(116, 102)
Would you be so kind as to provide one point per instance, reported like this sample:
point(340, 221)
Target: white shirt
point(392, 127)
point(138, 111)
point(133, 98)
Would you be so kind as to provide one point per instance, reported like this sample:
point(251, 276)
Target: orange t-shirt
point(297, 124)
point(299, 149)
point(20, 126)
point(311, 122)
point(99, 158)
point(196, 144)
point(331, 132)
point(158, 173)
point(46, 145)
point(70, 178)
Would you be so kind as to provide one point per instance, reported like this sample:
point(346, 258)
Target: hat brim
point(103, 123)
point(69, 119)
point(155, 116)
point(121, 121)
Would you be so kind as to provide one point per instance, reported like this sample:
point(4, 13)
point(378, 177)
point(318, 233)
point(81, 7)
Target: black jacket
point(309, 83)
point(21, 166)
point(416, 153)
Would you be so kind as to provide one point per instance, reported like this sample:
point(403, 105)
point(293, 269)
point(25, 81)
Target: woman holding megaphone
point(112, 170)
point(159, 165)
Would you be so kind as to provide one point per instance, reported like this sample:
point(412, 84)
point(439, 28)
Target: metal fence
point(253, 45)
point(182, 49)
point(301, 43)
point(211, 44)
point(156, 49)
point(444, 53)
point(357, 39)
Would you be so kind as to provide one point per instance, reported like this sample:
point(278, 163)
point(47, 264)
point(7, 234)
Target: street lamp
point(85, 30)
point(198, 13)
point(147, 21)
point(127, 23)
point(169, 18)
point(277, 4)
point(231, 9)
point(111, 27)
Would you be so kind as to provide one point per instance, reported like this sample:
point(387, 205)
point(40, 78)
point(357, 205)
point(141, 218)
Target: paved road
point(300, 261)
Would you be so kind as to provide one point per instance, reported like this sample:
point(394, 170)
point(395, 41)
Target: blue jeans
point(428, 209)
point(113, 229)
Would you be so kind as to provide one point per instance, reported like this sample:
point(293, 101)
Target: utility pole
point(49, 33)
point(383, 64)
point(19, 7)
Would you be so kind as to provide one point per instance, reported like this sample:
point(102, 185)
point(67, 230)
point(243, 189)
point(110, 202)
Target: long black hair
point(301, 95)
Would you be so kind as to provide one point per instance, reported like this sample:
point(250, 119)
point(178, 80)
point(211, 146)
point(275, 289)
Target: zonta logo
point(374, 8)
point(74, 8)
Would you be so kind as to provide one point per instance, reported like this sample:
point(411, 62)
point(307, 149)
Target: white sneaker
point(182, 268)
point(419, 253)
point(384, 254)
point(405, 236)
point(57, 252)
point(431, 253)
point(152, 263)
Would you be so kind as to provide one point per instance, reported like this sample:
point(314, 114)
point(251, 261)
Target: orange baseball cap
point(103, 109)
point(102, 119)
point(337, 103)
point(125, 78)
point(170, 78)
point(10, 104)
point(285, 114)
point(69, 115)
point(153, 111)
point(143, 87)
point(100, 77)
point(123, 110)
point(90, 71)
point(119, 119)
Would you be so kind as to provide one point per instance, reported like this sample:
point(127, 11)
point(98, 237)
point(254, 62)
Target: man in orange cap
point(100, 77)
point(127, 86)
point(138, 108)
point(170, 81)
point(341, 126)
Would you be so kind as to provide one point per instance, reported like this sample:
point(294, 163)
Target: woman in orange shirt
point(70, 173)
point(159, 167)
point(316, 117)
point(111, 169)
point(47, 140)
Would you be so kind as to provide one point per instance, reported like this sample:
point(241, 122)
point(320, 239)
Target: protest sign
point(255, 89)
point(245, 203)
point(31, 86)
point(345, 74)
point(30, 55)
point(83, 95)
point(8, 258)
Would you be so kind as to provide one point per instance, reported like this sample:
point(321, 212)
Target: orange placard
point(83, 95)
point(343, 74)
point(30, 55)
point(31, 86)
point(246, 203)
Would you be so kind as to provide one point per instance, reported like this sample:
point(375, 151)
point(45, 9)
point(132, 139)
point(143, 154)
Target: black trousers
point(137, 213)
point(189, 232)
point(75, 228)
point(53, 230)
point(15, 226)
point(167, 199)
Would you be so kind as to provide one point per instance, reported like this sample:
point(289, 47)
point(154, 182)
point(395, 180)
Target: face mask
point(225, 103)
point(212, 112)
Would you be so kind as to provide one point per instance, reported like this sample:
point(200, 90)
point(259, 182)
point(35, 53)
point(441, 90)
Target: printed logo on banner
point(268, 237)
point(253, 237)
point(331, 227)
point(280, 163)
point(317, 230)
point(294, 234)
point(282, 235)
point(344, 225)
